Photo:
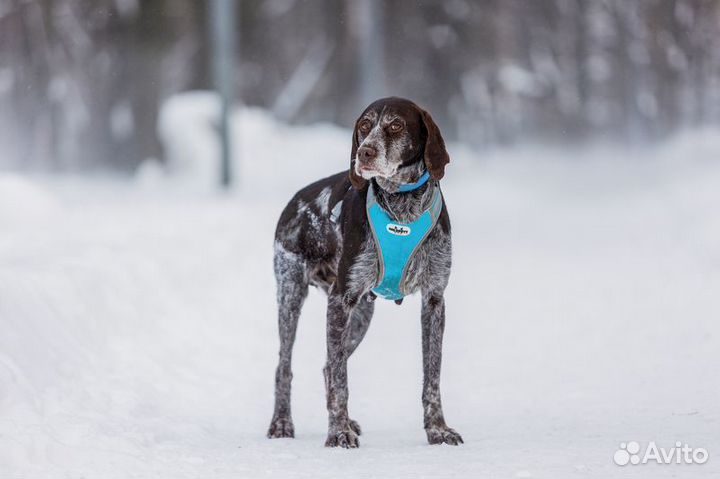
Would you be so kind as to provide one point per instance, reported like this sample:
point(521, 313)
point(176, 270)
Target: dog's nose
point(366, 153)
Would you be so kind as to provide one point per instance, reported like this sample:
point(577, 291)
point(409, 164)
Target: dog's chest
point(428, 268)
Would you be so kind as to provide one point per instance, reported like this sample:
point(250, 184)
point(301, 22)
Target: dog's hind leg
point(359, 324)
point(292, 289)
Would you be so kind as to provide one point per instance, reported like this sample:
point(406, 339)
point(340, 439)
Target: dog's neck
point(408, 206)
point(404, 176)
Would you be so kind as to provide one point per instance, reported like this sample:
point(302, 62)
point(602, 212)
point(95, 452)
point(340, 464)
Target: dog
point(325, 238)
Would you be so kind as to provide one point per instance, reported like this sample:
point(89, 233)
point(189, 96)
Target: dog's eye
point(395, 127)
point(365, 126)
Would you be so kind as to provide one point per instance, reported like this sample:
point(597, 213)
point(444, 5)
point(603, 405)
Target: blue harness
point(395, 242)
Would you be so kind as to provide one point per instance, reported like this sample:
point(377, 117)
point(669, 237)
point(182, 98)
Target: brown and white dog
point(322, 244)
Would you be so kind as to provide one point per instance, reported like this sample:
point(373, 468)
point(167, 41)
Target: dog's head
point(394, 135)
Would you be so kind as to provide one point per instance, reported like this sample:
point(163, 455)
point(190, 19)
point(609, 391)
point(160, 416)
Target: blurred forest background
point(82, 81)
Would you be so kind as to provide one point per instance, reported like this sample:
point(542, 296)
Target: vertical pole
point(372, 48)
point(222, 30)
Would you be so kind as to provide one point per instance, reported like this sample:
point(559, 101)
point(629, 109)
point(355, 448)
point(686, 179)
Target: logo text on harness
point(398, 230)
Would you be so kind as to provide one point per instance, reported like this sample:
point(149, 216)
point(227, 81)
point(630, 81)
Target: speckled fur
point(338, 255)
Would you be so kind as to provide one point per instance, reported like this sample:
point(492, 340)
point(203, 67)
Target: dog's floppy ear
point(436, 156)
point(357, 181)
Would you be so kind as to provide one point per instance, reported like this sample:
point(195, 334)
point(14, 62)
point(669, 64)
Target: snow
point(138, 325)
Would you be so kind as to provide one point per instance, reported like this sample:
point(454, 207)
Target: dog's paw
point(355, 427)
point(443, 435)
point(346, 438)
point(281, 427)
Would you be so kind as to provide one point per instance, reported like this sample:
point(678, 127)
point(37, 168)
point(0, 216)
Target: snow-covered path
point(138, 329)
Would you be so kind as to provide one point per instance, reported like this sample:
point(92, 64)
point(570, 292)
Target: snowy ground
point(138, 328)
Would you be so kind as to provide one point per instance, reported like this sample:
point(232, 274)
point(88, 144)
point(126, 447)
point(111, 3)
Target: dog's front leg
point(339, 431)
point(433, 326)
